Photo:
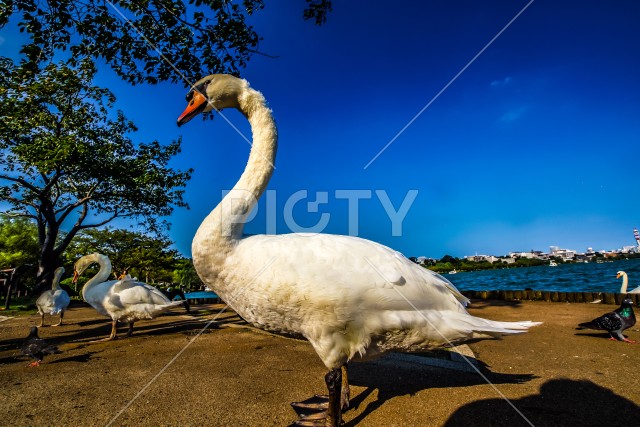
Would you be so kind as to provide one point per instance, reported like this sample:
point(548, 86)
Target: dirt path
point(233, 375)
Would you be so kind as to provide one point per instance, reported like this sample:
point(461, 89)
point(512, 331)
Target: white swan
point(348, 296)
point(55, 300)
point(121, 300)
point(625, 283)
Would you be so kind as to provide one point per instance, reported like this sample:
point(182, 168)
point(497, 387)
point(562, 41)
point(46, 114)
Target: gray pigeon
point(614, 322)
point(37, 347)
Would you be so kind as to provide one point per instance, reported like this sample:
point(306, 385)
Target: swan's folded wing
point(325, 266)
point(127, 292)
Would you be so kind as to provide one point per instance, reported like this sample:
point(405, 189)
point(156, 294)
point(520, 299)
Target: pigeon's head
point(627, 302)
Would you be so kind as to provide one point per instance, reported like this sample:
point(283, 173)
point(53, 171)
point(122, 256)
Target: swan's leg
point(346, 391)
point(320, 411)
point(319, 403)
point(114, 329)
point(130, 331)
point(41, 321)
point(111, 337)
point(334, 384)
point(61, 316)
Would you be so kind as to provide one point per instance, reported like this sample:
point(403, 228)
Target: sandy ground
point(172, 373)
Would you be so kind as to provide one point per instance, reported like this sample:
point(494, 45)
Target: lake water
point(201, 295)
point(579, 277)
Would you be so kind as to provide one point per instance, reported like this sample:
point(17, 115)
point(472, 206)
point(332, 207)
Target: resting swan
point(121, 300)
point(349, 297)
point(625, 283)
point(53, 301)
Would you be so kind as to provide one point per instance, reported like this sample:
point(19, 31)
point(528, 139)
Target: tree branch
point(22, 182)
point(99, 224)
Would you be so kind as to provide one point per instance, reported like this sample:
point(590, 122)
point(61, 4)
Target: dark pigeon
point(37, 347)
point(614, 322)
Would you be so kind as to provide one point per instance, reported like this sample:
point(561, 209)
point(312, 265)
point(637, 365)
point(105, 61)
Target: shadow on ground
point(393, 382)
point(96, 329)
point(561, 402)
point(479, 304)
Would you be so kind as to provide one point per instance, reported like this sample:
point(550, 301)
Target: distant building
point(528, 255)
point(565, 254)
point(481, 258)
point(423, 260)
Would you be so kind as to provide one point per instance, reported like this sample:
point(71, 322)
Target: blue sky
point(535, 144)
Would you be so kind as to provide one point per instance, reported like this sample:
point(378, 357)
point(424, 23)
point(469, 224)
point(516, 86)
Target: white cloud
point(501, 82)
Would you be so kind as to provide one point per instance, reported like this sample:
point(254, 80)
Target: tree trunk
point(7, 302)
point(12, 282)
point(44, 277)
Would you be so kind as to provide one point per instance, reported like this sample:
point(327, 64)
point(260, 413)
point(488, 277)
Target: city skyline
point(589, 249)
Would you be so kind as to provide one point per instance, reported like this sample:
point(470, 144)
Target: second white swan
point(55, 300)
point(625, 283)
point(122, 300)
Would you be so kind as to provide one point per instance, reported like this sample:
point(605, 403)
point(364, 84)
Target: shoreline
point(233, 374)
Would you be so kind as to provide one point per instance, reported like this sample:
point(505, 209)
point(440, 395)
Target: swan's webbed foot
point(34, 364)
point(323, 411)
point(109, 338)
point(312, 405)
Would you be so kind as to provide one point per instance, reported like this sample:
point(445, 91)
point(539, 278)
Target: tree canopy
point(18, 242)
point(66, 161)
point(146, 41)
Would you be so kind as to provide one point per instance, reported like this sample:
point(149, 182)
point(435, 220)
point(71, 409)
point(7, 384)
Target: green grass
point(23, 306)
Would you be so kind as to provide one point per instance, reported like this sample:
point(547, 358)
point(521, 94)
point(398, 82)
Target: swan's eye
point(189, 95)
point(202, 87)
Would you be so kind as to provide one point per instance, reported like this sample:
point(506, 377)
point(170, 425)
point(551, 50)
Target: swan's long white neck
point(56, 279)
point(625, 283)
point(101, 276)
point(222, 228)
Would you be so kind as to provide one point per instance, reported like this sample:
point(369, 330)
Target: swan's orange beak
point(75, 276)
point(196, 105)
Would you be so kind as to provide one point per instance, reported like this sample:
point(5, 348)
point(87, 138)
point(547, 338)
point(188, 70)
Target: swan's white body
point(348, 296)
point(54, 301)
point(121, 300)
point(625, 284)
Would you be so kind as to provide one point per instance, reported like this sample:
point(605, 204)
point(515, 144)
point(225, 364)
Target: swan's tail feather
point(153, 310)
point(456, 293)
point(172, 304)
point(479, 327)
